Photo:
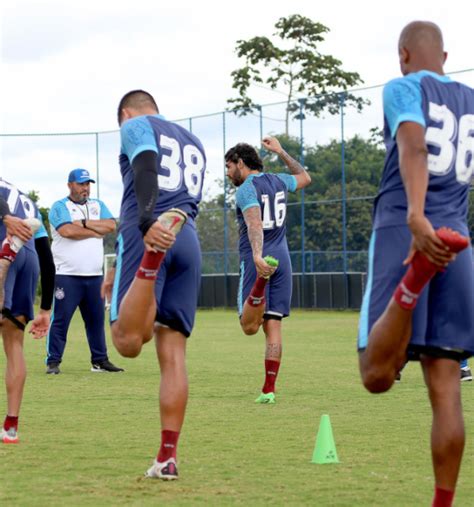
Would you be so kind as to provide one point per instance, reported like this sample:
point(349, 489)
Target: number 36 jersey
point(180, 168)
point(445, 109)
point(268, 192)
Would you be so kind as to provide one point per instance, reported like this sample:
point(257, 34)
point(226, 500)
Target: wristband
point(84, 223)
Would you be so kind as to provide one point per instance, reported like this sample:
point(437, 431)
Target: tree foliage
point(296, 65)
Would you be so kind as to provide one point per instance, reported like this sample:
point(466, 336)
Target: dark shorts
point(443, 321)
point(278, 290)
point(20, 285)
point(177, 286)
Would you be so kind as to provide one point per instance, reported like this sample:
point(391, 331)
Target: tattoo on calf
point(273, 351)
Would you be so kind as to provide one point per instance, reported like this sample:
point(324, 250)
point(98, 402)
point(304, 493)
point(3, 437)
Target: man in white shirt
point(78, 226)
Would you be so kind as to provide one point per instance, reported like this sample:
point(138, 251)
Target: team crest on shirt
point(59, 294)
point(95, 212)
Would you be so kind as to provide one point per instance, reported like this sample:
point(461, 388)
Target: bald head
point(421, 47)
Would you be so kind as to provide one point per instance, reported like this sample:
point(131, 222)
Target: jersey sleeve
point(104, 211)
point(136, 136)
point(59, 215)
point(402, 102)
point(246, 196)
point(41, 232)
point(289, 180)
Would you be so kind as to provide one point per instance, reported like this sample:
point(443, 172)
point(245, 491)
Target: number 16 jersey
point(445, 109)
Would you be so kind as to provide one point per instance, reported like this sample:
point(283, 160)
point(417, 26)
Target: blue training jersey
point(268, 192)
point(180, 168)
point(445, 109)
point(21, 206)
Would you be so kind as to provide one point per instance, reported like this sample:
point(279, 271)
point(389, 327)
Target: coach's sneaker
point(266, 398)
point(167, 471)
point(53, 369)
point(10, 436)
point(105, 366)
point(271, 261)
point(466, 374)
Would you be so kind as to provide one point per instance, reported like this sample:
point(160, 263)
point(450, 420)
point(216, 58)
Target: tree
point(298, 66)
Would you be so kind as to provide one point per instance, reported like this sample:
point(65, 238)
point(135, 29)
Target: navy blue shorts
point(278, 290)
point(443, 320)
point(178, 282)
point(20, 285)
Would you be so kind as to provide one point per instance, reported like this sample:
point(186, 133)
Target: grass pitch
point(87, 438)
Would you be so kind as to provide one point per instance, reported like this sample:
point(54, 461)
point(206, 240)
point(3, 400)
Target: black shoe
point(466, 374)
point(105, 365)
point(53, 369)
point(398, 378)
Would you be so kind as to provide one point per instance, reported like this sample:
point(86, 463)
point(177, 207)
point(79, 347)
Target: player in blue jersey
point(162, 166)
point(424, 312)
point(264, 289)
point(21, 260)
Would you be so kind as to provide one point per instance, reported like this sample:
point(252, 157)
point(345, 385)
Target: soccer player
point(21, 260)
point(265, 268)
point(158, 271)
point(424, 312)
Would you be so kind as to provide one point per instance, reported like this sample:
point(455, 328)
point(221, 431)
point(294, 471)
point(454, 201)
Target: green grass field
point(87, 438)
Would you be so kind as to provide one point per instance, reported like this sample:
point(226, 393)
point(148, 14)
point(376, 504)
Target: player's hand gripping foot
point(166, 471)
point(452, 239)
point(266, 398)
point(272, 262)
point(162, 234)
point(10, 436)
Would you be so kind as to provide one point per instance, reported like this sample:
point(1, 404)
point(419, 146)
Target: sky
point(65, 66)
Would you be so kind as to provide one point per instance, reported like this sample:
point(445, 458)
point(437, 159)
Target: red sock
point(150, 265)
point(257, 294)
point(419, 273)
point(6, 252)
point(169, 443)
point(442, 498)
point(271, 373)
point(10, 422)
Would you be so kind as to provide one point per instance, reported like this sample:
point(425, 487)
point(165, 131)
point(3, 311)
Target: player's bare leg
point(134, 326)
point(254, 306)
point(15, 372)
point(171, 351)
point(447, 432)
point(385, 354)
point(273, 351)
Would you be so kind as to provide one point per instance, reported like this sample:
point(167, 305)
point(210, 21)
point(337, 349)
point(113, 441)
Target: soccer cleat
point(173, 219)
point(105, 366)
point(266, 398)
point(452, 239)
point(10, 436)
point(167, 471)
point(271, 261)
point(53, 369)
point(466, 374)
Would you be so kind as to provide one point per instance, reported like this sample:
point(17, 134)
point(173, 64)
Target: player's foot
point(53, 369)
point(452, 239)
point(11, 246)
point(271, 261)
point(173, 219)
point(398, 378)
point(466, 374)
point(10, 436)
point(105, 366)
point(167, 471)
point(266, 398)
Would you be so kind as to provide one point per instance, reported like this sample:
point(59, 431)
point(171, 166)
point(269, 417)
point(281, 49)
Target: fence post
point(97, 162)
point(226, 232)
point(342, 98)
point(301, 118)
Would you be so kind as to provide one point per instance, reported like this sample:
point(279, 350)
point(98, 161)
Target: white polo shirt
point(79, 257)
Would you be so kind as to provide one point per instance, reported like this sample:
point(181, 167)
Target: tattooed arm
point(303, 179)
point(255, 233)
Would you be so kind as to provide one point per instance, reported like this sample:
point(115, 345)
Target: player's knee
point(127, 345)
point(376, 381)
point(250, 328)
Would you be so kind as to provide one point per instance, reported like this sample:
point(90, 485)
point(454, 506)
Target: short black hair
point(136, 99)
point(247, 153)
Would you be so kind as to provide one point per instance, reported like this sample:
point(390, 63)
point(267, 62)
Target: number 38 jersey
point(446, 109)
point(180, 168)
point(268, 192)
